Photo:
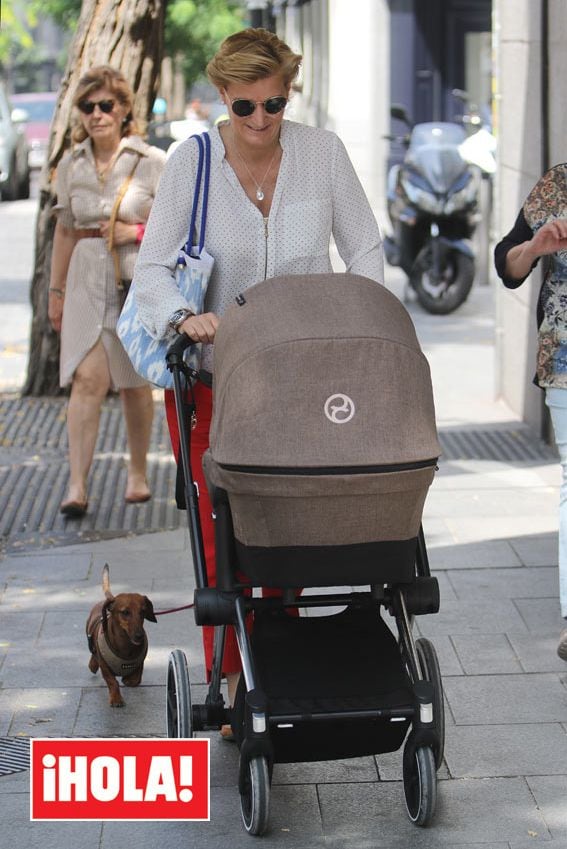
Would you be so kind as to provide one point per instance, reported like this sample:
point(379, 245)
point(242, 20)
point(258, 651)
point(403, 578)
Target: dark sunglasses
point(243, 108)
point(88, 106)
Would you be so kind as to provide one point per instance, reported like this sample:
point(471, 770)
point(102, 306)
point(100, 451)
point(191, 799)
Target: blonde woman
point(109, 165)
point(278, 191)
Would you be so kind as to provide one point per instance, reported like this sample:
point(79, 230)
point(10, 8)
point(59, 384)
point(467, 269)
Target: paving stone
point(47, 566)
point(294, 822)
point(436, 531)
point(19, 628)
point(14, 814)
point(143, 715)
point(504, 527)
point(490, 810)
point(33, 595)
point(326, 772)
point(448, 659)
point(473, 617)
point(40, 712)
point(537, 652)
point(492, 502)
point(474, 555)
point(446, 589)
point(498, 700)
point(536, 550)
point(550, 793)
point(389, 765)
point(541, 614)
point(485, 654)
point(527, 583)
point(493, 751)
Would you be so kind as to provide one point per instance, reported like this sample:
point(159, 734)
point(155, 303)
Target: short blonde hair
point(104, 76)
point(250, 55)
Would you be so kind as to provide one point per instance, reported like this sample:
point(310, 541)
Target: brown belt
point(88, 234)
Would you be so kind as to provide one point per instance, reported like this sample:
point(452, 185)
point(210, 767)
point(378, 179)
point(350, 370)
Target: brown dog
point(117, 640)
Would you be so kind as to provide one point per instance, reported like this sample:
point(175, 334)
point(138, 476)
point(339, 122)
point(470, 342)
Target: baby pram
point(323, 447)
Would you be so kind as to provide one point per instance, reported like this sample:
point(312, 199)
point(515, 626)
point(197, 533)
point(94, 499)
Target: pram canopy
point(320, 370)
point(323, 431)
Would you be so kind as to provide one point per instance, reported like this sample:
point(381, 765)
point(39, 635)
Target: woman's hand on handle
point(201, 328)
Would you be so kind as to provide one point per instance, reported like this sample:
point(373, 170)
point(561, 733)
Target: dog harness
point(118, 665)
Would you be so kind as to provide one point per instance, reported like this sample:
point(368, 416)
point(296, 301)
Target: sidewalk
point(491, 528)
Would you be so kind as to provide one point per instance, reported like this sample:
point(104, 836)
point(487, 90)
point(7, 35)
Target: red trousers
point(199, 444)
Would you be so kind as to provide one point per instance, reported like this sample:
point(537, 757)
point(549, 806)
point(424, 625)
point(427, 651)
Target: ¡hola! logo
point(119, 779)
point(339, 408)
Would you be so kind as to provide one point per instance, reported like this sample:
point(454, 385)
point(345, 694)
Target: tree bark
point(127, 34)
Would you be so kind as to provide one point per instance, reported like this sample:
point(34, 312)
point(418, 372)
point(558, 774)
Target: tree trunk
point(127, 34)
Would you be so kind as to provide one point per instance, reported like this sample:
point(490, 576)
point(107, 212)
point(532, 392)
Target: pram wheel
point(430, 669)
point(179, 719)
point(255, 800)
point(420, 783)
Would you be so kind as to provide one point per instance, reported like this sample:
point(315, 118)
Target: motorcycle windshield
point(434, 153)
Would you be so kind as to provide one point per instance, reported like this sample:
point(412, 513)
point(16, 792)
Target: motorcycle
point(433, 207)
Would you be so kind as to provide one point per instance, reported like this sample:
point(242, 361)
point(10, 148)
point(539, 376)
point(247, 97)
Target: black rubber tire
point(178, 696)
point(458, 274)
point(255, 801)
point(420, 784)
point(10, 190)
point(24, 187)
point(431, 672)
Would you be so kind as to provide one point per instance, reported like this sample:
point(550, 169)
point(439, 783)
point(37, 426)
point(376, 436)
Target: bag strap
point(113, 215)
point(192, 247)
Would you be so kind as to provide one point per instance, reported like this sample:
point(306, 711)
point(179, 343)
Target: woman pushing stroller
point(278, 191)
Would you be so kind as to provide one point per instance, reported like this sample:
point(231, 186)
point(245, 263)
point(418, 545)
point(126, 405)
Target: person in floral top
point(541, 230)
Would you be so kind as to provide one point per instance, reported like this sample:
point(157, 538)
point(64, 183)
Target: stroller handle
point(175, 351)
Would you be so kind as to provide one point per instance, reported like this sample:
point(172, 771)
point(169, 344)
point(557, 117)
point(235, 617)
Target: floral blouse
point(547, 201)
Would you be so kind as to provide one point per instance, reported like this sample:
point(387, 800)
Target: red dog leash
point(173, 609)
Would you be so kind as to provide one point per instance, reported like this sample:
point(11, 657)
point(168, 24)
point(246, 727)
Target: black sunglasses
point(243, 108)
point(88, 106)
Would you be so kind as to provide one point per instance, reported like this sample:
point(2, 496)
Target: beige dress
point(92, 300)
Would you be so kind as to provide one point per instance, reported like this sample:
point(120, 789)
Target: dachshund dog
point(116, 637)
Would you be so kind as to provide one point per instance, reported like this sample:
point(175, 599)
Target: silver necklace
point(259, 190)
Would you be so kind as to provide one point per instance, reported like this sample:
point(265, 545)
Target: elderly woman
point(540, 230)
point(278, 192)
point(110, 174)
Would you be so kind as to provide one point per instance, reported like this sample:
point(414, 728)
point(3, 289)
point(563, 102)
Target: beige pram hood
point(320, 370)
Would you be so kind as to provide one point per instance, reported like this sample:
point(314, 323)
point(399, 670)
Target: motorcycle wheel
point(451, 290)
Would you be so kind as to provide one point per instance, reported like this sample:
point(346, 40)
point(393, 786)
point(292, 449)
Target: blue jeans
point(556, 400)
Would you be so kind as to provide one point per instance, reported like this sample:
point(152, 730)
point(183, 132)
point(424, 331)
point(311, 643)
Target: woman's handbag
point(192, 274)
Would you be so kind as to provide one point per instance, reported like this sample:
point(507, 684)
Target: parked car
point(39, 107)
point(14, 165)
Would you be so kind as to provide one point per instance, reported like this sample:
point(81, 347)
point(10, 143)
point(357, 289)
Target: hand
point(124, 233)
point(201, 328)
point(550, 238)
point(55, 310)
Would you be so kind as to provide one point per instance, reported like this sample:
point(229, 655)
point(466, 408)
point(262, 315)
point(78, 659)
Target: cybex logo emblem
point(339, 408)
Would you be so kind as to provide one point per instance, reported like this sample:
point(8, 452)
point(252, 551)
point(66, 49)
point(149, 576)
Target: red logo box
point(119, 779)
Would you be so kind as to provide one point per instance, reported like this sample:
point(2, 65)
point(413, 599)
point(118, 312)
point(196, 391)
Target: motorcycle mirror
point(399, 112)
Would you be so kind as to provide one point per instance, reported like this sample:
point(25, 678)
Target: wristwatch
point(178, 317)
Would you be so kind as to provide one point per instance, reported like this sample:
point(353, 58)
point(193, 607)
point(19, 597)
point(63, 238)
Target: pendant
point(259, 194)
